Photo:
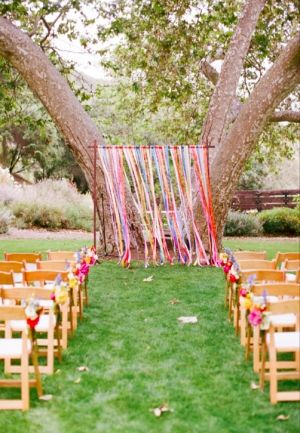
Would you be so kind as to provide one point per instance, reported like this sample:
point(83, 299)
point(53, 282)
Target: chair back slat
point(11, 266)
point(291, 265)
point(12, 313)
point(285, 307)
point(6, 278)
point(250, 255)
point(61, 255)
point(57, 265)
point(43, 275)
point(256, 264)
point(276, 289)
point(19, 257)
point(20, 293)
point(269, 275)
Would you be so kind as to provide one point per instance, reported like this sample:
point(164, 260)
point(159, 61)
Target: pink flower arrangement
point(257, 314)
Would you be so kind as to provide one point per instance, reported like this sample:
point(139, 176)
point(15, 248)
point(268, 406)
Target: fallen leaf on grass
point(282, 417)
point(254, 385)
point(78, 380)
point(83, 368)
point(174, 301)
point(148, 279)
point(58, 371)
point(188, 319)
point(158, 411)
point(46, 397)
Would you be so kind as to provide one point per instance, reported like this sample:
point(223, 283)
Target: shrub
point(281, 221)
point(242, 224)
point(5, 219)
point(51, 204)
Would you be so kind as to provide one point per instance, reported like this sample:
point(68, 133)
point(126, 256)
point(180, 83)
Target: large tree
point(53, 90)
point(160, 44)
point(169, 48)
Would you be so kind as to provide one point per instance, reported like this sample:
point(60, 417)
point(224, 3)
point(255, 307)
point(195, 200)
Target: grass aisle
point(139, 357)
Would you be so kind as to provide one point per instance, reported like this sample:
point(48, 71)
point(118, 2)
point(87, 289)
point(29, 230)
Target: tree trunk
point(75, 125)
point(234, 137)
point(228, 164)
point(225, 91)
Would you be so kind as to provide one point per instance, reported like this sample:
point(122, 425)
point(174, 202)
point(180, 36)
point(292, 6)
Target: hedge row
point(276, 222)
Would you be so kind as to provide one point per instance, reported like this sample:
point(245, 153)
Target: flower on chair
point(33, 311)
point(60, 291)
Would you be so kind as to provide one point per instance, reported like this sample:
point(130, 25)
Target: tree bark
point(225, 91)
point(228, 164)
point(285, 116)
point(75, 125)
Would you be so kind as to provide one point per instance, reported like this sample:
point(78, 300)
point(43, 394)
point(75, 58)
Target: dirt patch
point(79, 234)
point(46, 234)
point(263, 238)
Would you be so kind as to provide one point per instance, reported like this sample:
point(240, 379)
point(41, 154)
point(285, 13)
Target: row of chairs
point(24, 275)
point(270, 289)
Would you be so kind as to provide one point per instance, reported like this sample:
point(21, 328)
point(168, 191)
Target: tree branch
point(209, 72)
point(225, 91)
point(285, 116)
point(278, 116)
point(276, 84)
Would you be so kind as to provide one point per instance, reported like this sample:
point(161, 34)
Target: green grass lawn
point(270, 245)
point(139, 357)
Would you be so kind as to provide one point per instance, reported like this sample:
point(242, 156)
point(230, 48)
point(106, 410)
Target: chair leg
point(7, 361)
point(80, 302)
point(243, 326)
point(34, 358)
point(64, 326)
point(263, 364)
point(273, 376)
point(237, 318)
point(230, 303)
point(248, 341)
point(25, 377)
point(86, 295)
point(50, 350)
point(256, 348)
point(57, 334)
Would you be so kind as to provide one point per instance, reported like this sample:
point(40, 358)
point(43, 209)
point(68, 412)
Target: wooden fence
point(260, 200)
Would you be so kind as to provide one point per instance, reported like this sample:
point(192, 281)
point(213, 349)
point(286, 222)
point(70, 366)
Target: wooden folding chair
point(44, 278)
point(274, 292)
point(249, 255)
point(18, 348)
point(47, 325)
point(62, 255)
point(281, 257)
point(76, 295)
point(261, 276)
point(281, 342)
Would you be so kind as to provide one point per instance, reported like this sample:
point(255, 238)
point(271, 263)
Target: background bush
point(242, 224)
point(51, 204)
point(281, 221)
point(5, 219)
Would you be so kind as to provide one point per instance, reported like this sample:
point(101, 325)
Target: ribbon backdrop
point(161, 181)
